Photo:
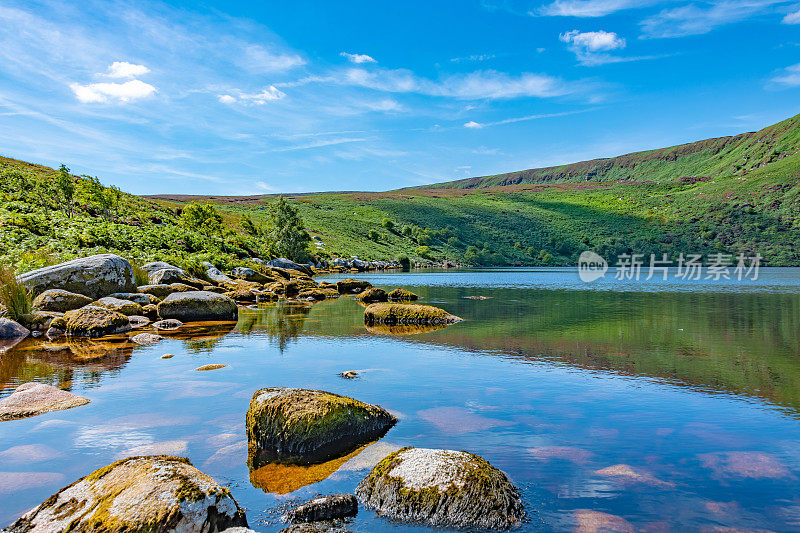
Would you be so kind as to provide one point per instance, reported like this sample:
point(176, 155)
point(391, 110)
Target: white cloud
point(108, 92)
point(488, 84)
point(694, 19)
point(259, 59)
point(262, 186)
point(587, 8)
point(358, 58)
point(226, 98)
point(588, 47)
point(472, 124)
point(269, 94)
point(789, 77)
point(385, 105)
point(477, 125)
point(123, 69)
point(476, 57)
point(792, 18)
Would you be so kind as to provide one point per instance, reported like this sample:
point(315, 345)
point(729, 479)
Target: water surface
point(653, 406)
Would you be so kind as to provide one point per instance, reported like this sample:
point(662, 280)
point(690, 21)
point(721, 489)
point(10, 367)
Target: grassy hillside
point(725, 156)
point(734, 195)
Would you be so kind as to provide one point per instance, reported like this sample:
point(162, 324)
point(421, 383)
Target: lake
point(630, 405)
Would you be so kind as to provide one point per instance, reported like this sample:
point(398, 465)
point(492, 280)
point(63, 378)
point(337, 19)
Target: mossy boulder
point(162, 291)
point(140, 298)
point(248, 274)
point(352, 286)
point(60, 301)
point(31, 399)
point(303, 426)
point(403, 295)
point(93, 321)
point(146, 493)
point(406, 314)
point(126, 307)
point(442, 488)
point(373, 295)
point(198, 305)
point(325, 508)
point(150, 311)
point(95, 276)
point(165, 276)
point(313, 294)
point(242, 295)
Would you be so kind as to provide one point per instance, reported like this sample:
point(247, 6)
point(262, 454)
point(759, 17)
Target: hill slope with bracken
point(737, 155)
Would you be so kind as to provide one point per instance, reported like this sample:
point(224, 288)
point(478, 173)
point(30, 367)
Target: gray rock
point(325, 508)
point(94, 321)
point(146, 339)
point(198, 305)
point(443, 488)
point(166, 276)
point(31, 399)
point(168, 325)
point(159, 265)
point(303, 426)
point(126, 307)
point(138, 322)
point(162, 291)
point(60, 301)
point(95, 276)
point(11, 330)
point(286, 264)
point(248, 274)
point(215, 274)
point(139, 298)
point(147, 493)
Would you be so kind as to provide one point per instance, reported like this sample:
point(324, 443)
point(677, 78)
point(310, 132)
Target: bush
point(203, 218)
point(15, 297)
point(404, 261)
point(374, 235)
point(423, 251)
point(388, 224)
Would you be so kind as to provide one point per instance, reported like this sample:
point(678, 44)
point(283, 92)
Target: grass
point(15, 297)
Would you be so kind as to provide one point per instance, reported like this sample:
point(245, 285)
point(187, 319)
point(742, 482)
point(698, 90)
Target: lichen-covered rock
point(248, 274)
point(147, 493)
point(303, 426)
point(242, 295)
point(406, 314)
point(126, 307)
point(60, 301)
point(95, 276)
point(215, 274)
point(138, 322)
point(31, 399)
point(442, 488)
point(94, 321)
point(313, 294)
point(162, 291)
point(402, 294)
point(352, 286)
point(11, 330)
point(325, 508)
point(286, 264)
point(373, 295)
point(168, 325)
point(198, 305)
point(165, 276)
point(150, 311)
point(146, 339)
point(140, 298)
point(266, 296)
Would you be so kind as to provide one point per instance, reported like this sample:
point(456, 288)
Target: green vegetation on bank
point(730, 195)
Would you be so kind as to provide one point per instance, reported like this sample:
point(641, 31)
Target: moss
point(404, 314)
point(372, 295)
point(92, 321)
point(351, 286)
point(402, 294)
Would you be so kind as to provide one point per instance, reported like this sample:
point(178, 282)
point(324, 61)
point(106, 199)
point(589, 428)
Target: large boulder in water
point(352, 286)
point(60, 301)
point(443, 488)
point(406, 314)
point(93, 321)
point(287, 264)
point(95, 276)
point(126, 307)
point(303, 426)
point(31, 399)
point(148, 493)
point(198, 305)
point(373, 295)
point(11, 330)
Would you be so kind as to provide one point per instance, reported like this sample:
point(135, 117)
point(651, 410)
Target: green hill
point(733, 195)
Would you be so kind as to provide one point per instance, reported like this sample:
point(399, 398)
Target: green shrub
point(140, 275)
point(404, 261)
point(374, 235)
point(387, 223)
point(423, 251)
point(15, 297)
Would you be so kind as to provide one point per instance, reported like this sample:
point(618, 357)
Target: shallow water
point(648, 406)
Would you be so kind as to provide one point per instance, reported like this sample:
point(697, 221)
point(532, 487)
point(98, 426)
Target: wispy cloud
point(587, 8)
point(698, 19)
point(320, 143)
point(590, 47)
point(477, 125)
point(788, 77)
point(792, 18)
point(269, 94)
point(473, 58)
point(358, 58)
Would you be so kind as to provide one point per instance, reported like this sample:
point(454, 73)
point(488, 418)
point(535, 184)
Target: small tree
point(65, 186)
point(388, 224)
point(288, 235)
point(374, 235)
point(203, 218)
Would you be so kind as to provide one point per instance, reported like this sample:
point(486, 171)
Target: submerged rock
point(325, 508)
point(405, 314)
point(31, 399)
point(442, 488)
point(402, 294)
point(373, 295)
point(95, 276)
point(150, 311)
point(93, 321)
point(212, 366)
point(198, 305)
point(138, 322)
point(314, 294)
point(60, 301)
point(126, 307)
point(146, 339)
point(169, 324)
point(148, 493)
point(11, 330)
point(352, 286)
point(350, 374)
point(303, 426)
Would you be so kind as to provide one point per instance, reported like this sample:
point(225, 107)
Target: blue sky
point(229, 97)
